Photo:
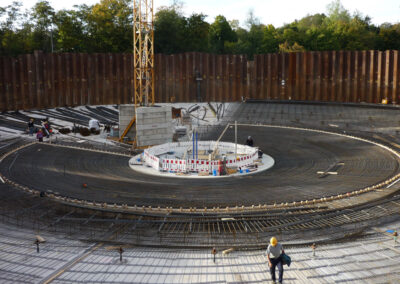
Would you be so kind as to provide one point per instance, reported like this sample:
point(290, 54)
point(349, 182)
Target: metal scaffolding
point(143, 52)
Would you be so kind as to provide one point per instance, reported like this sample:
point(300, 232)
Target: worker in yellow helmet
point(274, 255)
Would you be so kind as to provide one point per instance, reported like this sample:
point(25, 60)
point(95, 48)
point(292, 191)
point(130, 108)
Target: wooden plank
point(116, 86)
point(111, 88)
point(202, 68)
point(53, 80)
point(363, 79)
point(47, 88)
point(250, 79)
point(157, 78)
point(261, 62)
point(307, 90)
point(31, 80)
point(257, 77)
point(84, 79)
point(104, 82)
point(235, 69)
point(126, 81)
point(15, 98)
point(3, 104)
point(269, 76)
point(219, 67)
point(357, 76)
point(196, 68)
point(309, 85)
point(388, 75)
point(46, 80)
point(131, 90)
point(346, 76)
point(81, 79)
point(350, 76)
point(91, 79)
point(69, 79)
point(396, 77)
point(181, 66)
point(23, 81)
point(206, 78)
point(46, 85)
point(274, 82)
point(228, 81)
point(211, 76)
point(243, 77)
point(168, 78)
point(59, 68)
point(325, 69)
point(97, 79)
point(284, 76)
point(279, 76)
point(379, 76)
point(181, 77)
point(173, 95)
point(299, 77)
point(292, 76)
point(318, 75)
point(238, 74)
point(341, 72)
point(371, 76)
point(333, 78)
point(165, 82)
point(108, 93)
point(39, 78)
point(74, 79)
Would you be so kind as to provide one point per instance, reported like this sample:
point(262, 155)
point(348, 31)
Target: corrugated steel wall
point(332, 76)
point(68, 79)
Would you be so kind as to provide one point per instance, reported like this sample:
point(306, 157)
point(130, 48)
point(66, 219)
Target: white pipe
point(235, 141)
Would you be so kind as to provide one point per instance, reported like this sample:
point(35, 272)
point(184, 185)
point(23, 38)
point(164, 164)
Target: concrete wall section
point(153, 126)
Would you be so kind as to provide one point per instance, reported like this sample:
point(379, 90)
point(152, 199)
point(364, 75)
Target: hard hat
point(249, 137)
point(273, 241)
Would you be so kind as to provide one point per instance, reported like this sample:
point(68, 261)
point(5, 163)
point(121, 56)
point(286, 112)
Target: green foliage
point(169, 30)
point(220, 32)
point(196, 33)
point(107, 27)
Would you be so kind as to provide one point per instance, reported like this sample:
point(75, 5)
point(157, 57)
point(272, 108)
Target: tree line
point(107, 27)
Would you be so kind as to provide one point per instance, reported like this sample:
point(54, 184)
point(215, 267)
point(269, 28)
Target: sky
point(268, 11)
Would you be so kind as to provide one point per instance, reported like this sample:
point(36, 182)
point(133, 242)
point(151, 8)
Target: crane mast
point(143, 58)
point(143, 52)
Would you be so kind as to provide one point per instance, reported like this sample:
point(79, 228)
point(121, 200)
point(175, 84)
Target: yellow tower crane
point(143, 56)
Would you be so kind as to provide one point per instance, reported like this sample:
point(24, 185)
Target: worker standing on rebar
point(39, 135)
point(31, 126)
point(274, 255)
point(249, 141)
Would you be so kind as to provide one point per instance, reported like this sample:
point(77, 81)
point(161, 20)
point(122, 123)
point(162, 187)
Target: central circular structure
point(201, 159)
